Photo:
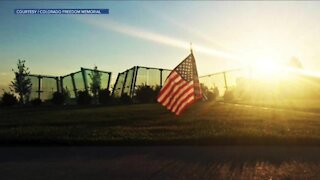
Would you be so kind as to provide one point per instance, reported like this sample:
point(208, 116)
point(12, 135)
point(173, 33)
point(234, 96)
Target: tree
point(22, 83)
point(95, 84)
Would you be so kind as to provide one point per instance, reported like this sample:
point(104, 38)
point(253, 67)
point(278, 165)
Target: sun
point(268, 69)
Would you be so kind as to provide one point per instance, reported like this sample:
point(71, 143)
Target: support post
point(161, 77)
point(74, 85)
point(39, 86)
point(134, 81)
point(57, 82)
point(61, 84)
point(225, 80)
point(124, 82)
point(84, 77)
point(115, 84)
point(147, 78)
point(109, 79)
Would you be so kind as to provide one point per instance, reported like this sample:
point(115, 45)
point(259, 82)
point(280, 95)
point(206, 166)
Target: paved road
point(265, 107)
point(165, 162)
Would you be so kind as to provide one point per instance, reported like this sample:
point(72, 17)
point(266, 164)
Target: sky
point(224, 35)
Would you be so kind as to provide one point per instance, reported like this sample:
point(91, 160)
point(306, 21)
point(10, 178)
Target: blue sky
point(157, 34)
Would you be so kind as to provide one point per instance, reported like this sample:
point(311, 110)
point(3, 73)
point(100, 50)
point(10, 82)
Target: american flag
point(181, 88)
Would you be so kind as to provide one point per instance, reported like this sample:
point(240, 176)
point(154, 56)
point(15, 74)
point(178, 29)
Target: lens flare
point(155, 37)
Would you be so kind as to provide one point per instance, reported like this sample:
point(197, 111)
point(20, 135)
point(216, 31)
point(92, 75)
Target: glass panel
point(165, 74)
point(104, 80)
point(34, 87)
point(213, 81)
point(145, 76)
point(49, 84)
point(235, 76)
point(119, 84)
point(142, 77)
point(153, 77)
point(237, 81)
point(48, 87)
point(79, 81)
point(88, 78)
point(67, 86)
point(128, 83)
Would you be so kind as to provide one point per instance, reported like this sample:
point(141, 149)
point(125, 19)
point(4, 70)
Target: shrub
point(36, 102)
point(84, 98)
point(9, 99)
point(156, 92)
point(58, 98)
point(228, 95)
point(147, 94)
point(209, 95)
point(104, 96)
point(125, 99)
point(212, 95)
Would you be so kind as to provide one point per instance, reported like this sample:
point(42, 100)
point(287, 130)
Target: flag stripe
point(190, 102)
point(168, 87)
point(173, 89)
point(186, 95)
point(171, 97)
point(180, 94)
point(169, 91)
point(185, 102)
point(172, 75)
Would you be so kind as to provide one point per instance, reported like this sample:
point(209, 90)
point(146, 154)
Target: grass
point(152, 124)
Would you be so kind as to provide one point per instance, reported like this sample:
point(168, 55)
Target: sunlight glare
point(268, 69)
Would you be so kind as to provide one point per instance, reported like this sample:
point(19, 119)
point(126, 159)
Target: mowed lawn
point(151, 124)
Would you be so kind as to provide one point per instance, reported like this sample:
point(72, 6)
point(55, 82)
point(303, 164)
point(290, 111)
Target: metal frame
point(109, 80)
point(39, 86)
point(57, 83)
point(124, 82)
point(40, 78)
point(74, 85)
point(84, 77)
point(60, 84)
point(161, 70)
point(224, 73)
point(115, 84)
point(134, 79)
point(208, 75)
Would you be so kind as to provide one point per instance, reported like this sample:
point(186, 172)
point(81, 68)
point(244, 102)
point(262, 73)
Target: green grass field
point(152, 124)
